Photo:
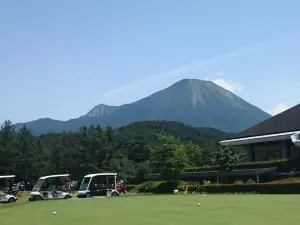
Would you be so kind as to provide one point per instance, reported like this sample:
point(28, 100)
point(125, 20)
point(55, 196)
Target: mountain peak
point(188, 81)
point(101, 110)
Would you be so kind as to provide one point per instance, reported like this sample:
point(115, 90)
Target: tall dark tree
point(25, 144)
point(6, 133)
point(8, 151)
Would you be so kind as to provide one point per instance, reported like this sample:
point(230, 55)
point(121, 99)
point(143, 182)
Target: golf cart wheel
point(67, 197)
point(11, 200)
point(38, 198)
point(114, 194)
point(88, 195)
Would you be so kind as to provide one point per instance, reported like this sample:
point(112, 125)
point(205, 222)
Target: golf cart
point(100, 184)
point(8, 195)
point(50, 188)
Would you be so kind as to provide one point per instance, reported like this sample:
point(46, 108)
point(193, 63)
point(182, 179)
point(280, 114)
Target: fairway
point(158, 209)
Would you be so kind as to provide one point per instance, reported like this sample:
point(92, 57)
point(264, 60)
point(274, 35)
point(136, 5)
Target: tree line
point(95, 149)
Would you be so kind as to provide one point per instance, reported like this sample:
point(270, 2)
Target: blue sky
point(59, 58)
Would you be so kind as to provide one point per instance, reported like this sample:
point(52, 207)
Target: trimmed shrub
point(282, 163)
point(250, 181)
point(131, 187)
point(286, 180)
point(238, 182)
point(287, 188)
point(164, 187)
point(157, 187)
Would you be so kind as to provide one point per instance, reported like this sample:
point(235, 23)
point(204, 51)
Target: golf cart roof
point(51, 176)
point(7, 176)
point(101, 174)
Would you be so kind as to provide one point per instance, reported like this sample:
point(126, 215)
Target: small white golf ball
point(199, 203)
point(204, 195)
point(54, 213)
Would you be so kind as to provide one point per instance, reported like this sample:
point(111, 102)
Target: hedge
point(162, 187)
point(247, 165)
point(285, 188)
point(165, 187)
point(131, 187)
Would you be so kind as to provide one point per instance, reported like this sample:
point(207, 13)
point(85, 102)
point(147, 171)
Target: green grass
point(158, 209)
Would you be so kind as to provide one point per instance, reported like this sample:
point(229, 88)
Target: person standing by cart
point(121, 186)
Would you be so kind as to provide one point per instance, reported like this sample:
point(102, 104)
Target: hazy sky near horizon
point(59, 58)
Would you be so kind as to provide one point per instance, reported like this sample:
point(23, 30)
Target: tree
point(26, 147)
point(8, 152)
point(7, 132)
point(108, 148)
point(194, 154)
point(226, 159)
point(138, 150)
point(168, 157)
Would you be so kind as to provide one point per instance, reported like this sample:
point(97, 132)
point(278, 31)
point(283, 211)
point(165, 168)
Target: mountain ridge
point(193, 102)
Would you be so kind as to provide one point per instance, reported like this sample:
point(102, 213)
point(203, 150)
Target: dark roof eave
point(258, 139)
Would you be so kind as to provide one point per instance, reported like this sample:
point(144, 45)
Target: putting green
point(158, 209)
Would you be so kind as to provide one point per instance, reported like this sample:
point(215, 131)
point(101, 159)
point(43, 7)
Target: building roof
point(286, 121)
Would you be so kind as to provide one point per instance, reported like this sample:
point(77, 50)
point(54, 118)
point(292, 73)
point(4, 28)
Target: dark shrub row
point(248, 165)
point(285, 188)
point(131, 187)
point(161, 187)
point(164, 187)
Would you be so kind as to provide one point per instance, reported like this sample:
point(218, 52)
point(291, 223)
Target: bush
point(250, 181)
point(164, 187)
point(286, 180)
point(131, 187)
point(286, 188)
point(282, 163)
point(238, 182)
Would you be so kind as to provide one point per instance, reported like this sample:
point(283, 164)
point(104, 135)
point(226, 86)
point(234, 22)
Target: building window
point(267, 152)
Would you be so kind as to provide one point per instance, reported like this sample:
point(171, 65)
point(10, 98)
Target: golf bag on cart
point(12, 188)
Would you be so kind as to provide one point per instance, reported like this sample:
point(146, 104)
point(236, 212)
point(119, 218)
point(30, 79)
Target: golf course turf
point(158, 209)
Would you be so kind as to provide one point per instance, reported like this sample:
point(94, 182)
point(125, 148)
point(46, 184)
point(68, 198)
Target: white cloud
point(229, 85)
point(220, 73)
point(278, 109)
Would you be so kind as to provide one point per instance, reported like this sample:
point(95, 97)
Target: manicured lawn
point(164, 210)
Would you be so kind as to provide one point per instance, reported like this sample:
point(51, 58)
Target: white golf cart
point(50, 188)
point(99, 184)
point(5, 195)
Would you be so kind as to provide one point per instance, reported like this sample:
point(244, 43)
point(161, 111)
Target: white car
point(42, 192)
point(4, 196)
point(98, 184)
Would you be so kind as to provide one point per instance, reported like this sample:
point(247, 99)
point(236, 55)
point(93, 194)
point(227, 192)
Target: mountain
point(102, 110)
point(193, 102)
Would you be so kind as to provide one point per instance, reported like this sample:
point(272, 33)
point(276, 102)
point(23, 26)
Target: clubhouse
point(276, 137)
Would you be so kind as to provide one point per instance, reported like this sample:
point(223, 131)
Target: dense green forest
point(128, 150)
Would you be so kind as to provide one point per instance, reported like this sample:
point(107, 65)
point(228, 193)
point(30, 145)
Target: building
point(276, 137)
